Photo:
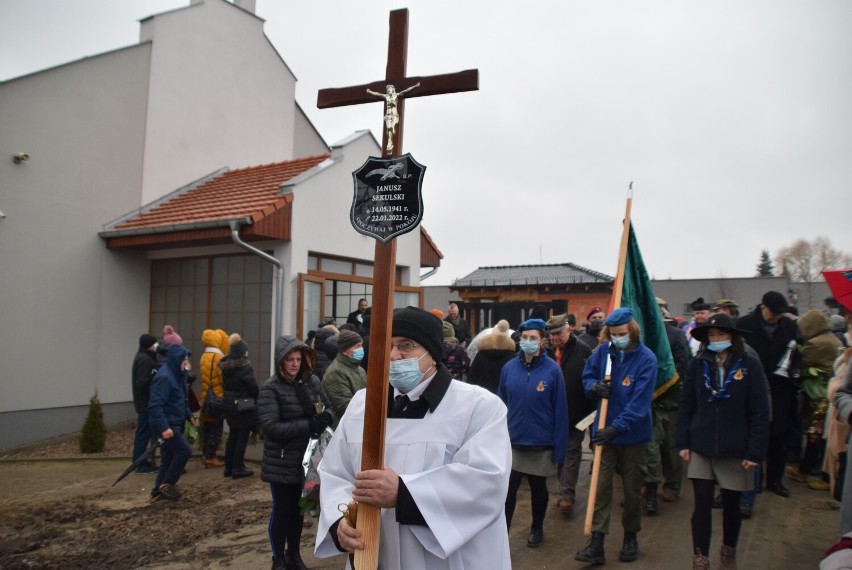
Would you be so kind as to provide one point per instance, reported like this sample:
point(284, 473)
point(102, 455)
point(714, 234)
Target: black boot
point(630, 549)
point(278, 564)
point(293, 561)
point(651, 499)
point(536, 535)
point(242, 472)
point(594, 551)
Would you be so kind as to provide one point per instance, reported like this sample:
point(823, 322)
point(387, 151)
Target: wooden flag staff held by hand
point(391, 89)
point(615, 303)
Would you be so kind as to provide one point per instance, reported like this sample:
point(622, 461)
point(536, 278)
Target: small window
point(363, 270)
point(337, 266)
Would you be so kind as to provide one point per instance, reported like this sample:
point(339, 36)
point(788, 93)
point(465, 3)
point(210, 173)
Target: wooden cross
point(372, 456)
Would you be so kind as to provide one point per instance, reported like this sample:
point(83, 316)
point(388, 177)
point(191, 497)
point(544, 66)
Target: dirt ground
point(63, 513)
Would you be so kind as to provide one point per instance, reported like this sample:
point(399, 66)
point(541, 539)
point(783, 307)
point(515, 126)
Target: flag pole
point(615, 303)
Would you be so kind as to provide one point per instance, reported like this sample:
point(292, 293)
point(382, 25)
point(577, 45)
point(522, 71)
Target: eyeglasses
point(405, 346)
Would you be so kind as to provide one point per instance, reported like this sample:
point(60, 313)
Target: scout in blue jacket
point(628, 428)
point(532, 387)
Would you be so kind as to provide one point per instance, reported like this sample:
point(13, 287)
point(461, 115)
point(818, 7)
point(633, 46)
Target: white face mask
point(188, 367)
point(155, 346)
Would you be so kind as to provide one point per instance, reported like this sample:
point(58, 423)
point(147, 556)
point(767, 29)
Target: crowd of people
point(760, 399)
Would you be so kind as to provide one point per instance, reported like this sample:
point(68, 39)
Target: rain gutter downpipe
point(279, 289)
point(429, 274)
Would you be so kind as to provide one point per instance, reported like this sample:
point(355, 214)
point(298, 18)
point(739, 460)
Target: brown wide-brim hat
point(722, 322)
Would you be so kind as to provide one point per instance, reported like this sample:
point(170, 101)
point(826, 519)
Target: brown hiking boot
point(566, 506)
point(213, 462)
point(700, 562)
point(728, 558)
point(796, 475)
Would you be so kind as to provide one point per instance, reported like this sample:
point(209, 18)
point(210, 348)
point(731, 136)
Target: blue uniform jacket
point(536, 402)
point(634, 378)
point(168, 406)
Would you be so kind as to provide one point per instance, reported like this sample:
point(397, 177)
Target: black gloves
point(602, 389)
point(605, 435)
point(320, 422)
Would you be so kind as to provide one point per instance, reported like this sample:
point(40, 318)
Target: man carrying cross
point(447, 464)
point(449, 544)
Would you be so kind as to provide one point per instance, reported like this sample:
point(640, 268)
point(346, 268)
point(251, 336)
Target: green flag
point(638, 294)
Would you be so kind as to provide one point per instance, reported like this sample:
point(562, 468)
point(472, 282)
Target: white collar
point(213, 349)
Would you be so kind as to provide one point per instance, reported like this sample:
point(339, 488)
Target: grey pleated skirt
point(727, 471)
point(533, 462)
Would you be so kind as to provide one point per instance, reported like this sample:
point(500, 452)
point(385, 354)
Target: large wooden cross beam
point(393, 89)
point(395, 78)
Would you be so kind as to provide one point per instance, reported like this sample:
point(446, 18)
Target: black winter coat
point(285, 409)
point(323, 360)
point(579, 405)
point(733, 427)
point(144, 368)
point(681, 354)
point(238, 382)
point(771, 350)
point(486, 367)
point(462, 330)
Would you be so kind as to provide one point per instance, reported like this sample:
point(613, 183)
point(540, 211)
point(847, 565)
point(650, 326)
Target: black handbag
point(244, 405)
point(214, 406)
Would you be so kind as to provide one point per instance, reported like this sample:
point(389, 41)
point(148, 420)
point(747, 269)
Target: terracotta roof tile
point(248, 192)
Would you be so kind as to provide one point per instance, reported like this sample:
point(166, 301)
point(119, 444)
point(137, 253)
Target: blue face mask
point(719, 345)
point(405, 374)
point(358, 355)
point(621, 342)
point(530, 346)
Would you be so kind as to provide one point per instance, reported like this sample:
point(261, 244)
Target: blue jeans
point(143, 435)
point(748, 497)
point(175, 454)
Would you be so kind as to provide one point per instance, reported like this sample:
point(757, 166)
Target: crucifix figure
point(414, 341)
point(391, 114)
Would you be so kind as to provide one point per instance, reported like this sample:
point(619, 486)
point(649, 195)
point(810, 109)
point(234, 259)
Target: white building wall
point(82, 126)
point(219, 95)
point(106, 134)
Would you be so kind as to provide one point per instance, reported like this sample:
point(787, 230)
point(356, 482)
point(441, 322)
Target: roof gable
point(522, 275)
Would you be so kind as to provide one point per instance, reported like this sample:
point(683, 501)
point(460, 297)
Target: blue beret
point(532, 325)
point(620, 316)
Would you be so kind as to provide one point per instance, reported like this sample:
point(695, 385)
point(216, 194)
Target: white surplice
point(455, 462)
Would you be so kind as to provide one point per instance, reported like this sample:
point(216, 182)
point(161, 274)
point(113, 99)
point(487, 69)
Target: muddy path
point(64, 514)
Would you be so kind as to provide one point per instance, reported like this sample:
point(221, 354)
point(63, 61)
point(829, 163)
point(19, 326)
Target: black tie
point(399, 405)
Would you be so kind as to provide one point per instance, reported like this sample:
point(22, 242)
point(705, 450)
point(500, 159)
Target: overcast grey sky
point(733, 119)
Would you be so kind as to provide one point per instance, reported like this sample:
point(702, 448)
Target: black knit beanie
point(147, 341)
point(422, 327)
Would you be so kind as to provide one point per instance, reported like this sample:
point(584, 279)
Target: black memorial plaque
point(388, 200)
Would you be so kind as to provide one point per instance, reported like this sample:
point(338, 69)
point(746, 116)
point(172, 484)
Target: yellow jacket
point(208, 366)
